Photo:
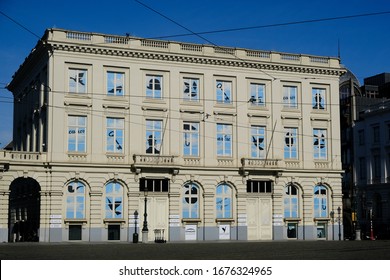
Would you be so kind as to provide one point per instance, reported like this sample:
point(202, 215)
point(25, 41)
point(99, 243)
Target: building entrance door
point(24, 210)
point(157, 210)
point(259, 219)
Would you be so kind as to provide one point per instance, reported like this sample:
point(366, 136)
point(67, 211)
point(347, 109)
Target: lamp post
point(371, 227)
point(135, 234)
point(339, 220)
point(145, 230)
point(332, 216)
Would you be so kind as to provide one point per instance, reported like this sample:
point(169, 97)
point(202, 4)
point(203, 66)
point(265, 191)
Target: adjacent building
point(116, 135)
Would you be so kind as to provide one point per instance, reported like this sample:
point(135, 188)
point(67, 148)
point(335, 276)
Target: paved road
point(275, 250)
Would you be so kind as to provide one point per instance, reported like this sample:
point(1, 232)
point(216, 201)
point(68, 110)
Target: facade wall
point(172, 92)
point(372, 170)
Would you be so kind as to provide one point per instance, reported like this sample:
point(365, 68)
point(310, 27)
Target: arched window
point(75, 200)
point(190, 201)
point(223, 201)
point(291, 202)
point(114, 201)
point(320, 201)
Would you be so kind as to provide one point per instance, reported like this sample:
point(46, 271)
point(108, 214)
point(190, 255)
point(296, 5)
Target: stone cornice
point(205, 60)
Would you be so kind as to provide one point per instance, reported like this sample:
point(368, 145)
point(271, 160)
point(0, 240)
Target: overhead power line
point(21, 25)
point(269, 25)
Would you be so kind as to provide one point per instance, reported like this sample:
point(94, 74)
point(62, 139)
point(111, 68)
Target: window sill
point(75, 221)
point(191, 220)
point(292, 219)
point(325, 219)
point(224, 220)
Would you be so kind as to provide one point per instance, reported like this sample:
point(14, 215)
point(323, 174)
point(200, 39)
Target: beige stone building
point(217, 142)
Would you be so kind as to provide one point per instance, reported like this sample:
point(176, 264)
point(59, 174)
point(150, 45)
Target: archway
point(24, 210)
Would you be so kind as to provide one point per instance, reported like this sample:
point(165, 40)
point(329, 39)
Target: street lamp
point(339, 220)
point(332, 216)
point(145, 230)
point(135, 234)
point(371, 227)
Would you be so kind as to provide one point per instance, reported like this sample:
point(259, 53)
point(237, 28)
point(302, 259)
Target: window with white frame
point(224, 91)
point(75, 200)
point(223, 201)
point(320, 202)
point(191, 89)
point(257, 94)
point(114, 201)
point(153, 136)
point(157, 185)
point(290, 96)
point(224, 140)
point(258, 149)
point(77, 80)
point(77, 130)
point(320, 143)
point(291, 201)
point(154, 86)
point(115, 134)
point(190, 202)
point(191, 138)
point(115, 83)
point(318, 95)
point(258, 186)
point(291, 143)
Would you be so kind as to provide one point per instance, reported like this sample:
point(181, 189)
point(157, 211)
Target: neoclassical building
point(216, 142)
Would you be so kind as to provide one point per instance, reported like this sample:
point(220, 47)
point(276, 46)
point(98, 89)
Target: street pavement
point(233, 250)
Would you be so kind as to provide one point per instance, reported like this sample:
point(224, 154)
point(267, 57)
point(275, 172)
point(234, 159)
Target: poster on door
point(190, 232)
point(224, 232)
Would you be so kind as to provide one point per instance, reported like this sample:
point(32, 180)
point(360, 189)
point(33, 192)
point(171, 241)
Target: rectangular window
point(258, 149)
point(318, 95)
point(376, 134)
point(154, 86)
point(362, 168)
point(321, 230)
point(114, 232)
point(77, 130)
point(319, 143)
point(257, 94)
point(153, 185)
point(191, 89)
point(253, 186)
point(115, 135)
point(224, 92)
point(77, 80)
point(361, 137)
point(291, 143)
point(292, 230)
point(191, 139)
point(377, 167)
point(153, 136)
point(224, 140)
point(74, 232)
point(115, 83)
point(290, 96)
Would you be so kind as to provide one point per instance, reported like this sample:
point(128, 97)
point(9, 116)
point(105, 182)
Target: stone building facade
point(216, 142)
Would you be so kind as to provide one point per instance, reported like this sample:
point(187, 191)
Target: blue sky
point(364, 41)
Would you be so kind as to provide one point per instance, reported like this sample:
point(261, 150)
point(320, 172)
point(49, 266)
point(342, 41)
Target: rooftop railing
point(102, 40)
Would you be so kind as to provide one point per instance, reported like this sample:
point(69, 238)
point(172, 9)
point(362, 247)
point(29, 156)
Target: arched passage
point(24, 210)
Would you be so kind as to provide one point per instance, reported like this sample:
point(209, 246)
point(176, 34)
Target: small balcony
point(17, 156)
point(158, 161)
point(255, 165)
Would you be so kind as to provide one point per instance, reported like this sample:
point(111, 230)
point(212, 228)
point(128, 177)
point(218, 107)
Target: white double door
point(157, 210)
point(259, 218)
